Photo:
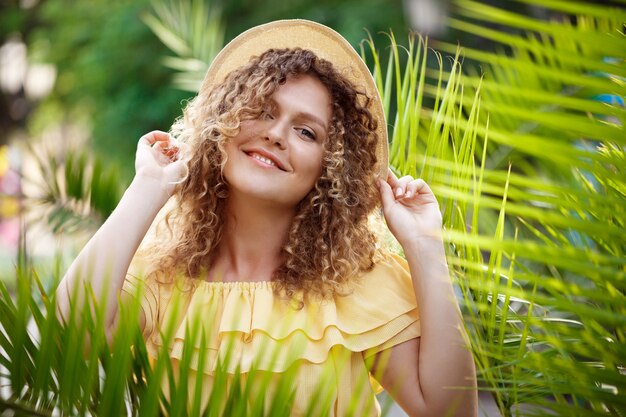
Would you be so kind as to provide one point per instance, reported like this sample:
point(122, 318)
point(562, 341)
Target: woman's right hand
point(159, 157)
point(160, 164)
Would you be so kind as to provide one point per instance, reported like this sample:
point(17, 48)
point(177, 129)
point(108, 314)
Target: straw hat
point(321, 40)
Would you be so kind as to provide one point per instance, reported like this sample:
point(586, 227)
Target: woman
point(276, 169)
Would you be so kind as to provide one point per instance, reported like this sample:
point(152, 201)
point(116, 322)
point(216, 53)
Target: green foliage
point(76, 191)
point(528, 166)
point(77, 366)
point(348, 17)
point(109, 75)
point(194, 32)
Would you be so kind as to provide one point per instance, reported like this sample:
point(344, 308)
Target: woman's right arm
point(103, 263)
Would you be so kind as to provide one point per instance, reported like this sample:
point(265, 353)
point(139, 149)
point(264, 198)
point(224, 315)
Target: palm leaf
point(193, 30)
point(537, 251)
point(73, 191)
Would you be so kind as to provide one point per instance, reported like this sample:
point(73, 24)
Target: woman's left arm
point(433, 375)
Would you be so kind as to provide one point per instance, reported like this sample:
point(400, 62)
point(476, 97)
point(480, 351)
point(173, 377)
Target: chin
point(261, 191)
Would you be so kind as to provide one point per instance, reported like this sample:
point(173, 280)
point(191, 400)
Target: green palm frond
point(194, 31)
point(46, 369)
point(528, 165)
point(73, 190)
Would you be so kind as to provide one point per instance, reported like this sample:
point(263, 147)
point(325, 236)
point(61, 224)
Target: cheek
point(232, 144)
point(314, 164)
point(229, 153)
point(232, 160)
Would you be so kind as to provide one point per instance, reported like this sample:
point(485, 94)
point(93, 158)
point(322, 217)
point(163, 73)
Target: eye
point(307, 133)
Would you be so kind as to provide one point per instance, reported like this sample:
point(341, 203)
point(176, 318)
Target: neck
point(251, 245)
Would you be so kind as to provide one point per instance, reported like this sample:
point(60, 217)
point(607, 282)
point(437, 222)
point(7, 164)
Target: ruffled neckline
point(241, 318)
point(235, 284)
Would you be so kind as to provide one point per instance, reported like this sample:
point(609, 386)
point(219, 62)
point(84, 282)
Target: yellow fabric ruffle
point(248, 324)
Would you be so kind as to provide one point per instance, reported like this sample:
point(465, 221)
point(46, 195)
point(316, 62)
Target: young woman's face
point(278, 157)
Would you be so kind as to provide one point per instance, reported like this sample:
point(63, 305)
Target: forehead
point(304, 84)
point(305, 96)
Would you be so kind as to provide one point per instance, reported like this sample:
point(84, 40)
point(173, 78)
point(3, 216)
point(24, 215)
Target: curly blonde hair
point(330, 240)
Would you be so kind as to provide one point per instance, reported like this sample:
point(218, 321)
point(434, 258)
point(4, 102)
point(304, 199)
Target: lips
point(265, 158)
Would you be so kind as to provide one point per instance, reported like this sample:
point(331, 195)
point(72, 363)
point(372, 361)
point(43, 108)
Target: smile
point(263, 159)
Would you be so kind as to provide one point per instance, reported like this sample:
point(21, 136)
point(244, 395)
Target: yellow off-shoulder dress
point(248, 331)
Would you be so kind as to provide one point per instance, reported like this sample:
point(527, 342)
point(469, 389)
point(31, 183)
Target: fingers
point(156, 136)
point(392, 180)
point(406, 186)
point(184, 151)
point(401, 186)
point(386, 193)
point(165, 145)
point(179, 160)
point(415, 187)
point(170, 151)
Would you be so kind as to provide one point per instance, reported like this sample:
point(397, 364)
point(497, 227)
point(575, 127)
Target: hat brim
point(321, 40)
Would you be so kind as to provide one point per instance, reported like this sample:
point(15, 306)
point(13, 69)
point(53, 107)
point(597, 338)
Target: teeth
point(263, 159)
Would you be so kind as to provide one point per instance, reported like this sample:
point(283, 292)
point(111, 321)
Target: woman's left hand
point(410, 208)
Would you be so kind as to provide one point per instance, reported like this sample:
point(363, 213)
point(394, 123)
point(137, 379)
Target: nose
point(275, 133)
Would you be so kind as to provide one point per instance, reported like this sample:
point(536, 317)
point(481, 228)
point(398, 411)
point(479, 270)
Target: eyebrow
point(314, 119)
point(304, 115)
